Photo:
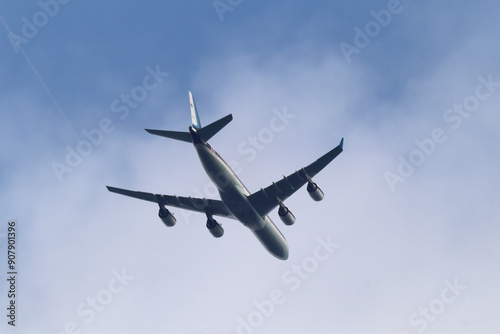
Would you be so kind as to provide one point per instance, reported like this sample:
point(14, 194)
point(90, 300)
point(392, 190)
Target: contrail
point(42, 82)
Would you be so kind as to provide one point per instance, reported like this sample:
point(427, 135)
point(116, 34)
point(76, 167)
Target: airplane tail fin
point(205, 133)
point(195, 119)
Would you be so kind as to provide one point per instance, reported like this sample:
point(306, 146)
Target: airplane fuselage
point(234, 195)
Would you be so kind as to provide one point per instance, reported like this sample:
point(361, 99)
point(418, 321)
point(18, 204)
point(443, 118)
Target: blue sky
point(411, 205)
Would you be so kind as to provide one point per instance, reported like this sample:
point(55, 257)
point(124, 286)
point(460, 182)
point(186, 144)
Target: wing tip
point(342, 143)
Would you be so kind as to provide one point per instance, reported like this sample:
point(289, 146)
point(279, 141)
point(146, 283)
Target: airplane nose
point(281, 252)
point(284, 254)
point(272, 239)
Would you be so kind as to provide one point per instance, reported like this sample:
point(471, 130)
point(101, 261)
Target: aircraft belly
point(216, 170)
point(234, 195)
point(237, 202)
point(263, 228)
point(232, 192)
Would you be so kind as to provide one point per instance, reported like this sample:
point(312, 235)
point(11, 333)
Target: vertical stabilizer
point(195, 119)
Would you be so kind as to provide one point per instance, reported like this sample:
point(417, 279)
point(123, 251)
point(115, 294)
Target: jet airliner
point(236, 202)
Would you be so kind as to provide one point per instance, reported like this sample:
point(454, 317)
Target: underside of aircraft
point(236, 202)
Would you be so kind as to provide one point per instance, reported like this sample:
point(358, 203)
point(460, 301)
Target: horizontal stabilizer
point(210, 130)
point(182, 136)
point(205, 133)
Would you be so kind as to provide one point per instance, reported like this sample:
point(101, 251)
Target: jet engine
point(314, 191)
point(286, 215)
point(167, 217)
point(215, 228)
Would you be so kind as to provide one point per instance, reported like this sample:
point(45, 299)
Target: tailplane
point(205, 133)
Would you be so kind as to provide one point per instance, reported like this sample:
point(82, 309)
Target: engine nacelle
point(315, 192)
point(215, 228)
point(286, 215)
point(167, 217)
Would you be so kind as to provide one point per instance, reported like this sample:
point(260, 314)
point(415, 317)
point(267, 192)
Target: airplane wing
point(203, 205)
point(265, 200)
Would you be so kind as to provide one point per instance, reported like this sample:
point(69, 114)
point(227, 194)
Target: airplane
point(236, 202)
